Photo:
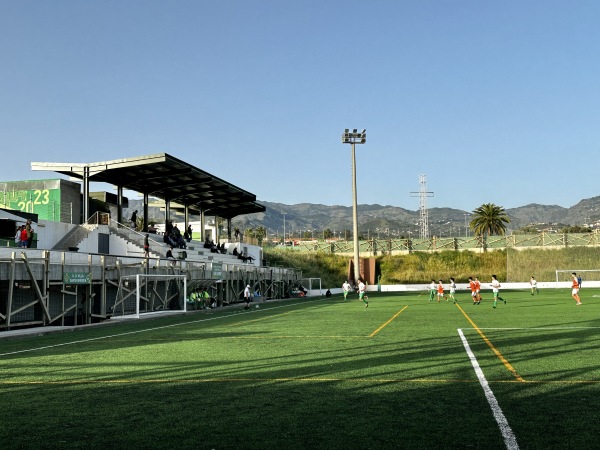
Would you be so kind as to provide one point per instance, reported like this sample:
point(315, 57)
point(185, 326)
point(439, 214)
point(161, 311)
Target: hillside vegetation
point(422, 267)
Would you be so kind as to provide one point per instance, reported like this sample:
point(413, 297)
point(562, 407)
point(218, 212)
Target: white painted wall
point(49, 233)
point(465, 288)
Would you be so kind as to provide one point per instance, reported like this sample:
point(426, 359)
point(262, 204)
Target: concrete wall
point(49, 233)
point(463, 287)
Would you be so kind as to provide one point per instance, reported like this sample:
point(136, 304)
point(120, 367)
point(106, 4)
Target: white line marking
point(153, 329)
point(509, 437)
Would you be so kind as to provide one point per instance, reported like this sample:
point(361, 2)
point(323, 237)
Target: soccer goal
point(591, 276)
point(144, 294)
point(312, 286)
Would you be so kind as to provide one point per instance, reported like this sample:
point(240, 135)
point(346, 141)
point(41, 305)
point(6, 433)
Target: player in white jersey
point(452, 290)
point(534, 288)
point(496, 290)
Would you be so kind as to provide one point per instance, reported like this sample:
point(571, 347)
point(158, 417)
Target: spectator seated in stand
point(170, 256)
point(223, 250)
point(213, 247)
point(245, 258)
point(235, 251)
point(168, 239)
point(177, 237)
point(207, 243)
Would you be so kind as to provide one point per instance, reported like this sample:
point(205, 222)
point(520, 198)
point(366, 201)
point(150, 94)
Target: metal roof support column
point(217, 234)
point(201, 223)
point(120, 204)
point(229, 228)
point(167, 210)
point(145, 225)
point(186, 215)
point(86, 194)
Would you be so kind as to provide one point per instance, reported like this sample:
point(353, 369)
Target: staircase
point(71, 240)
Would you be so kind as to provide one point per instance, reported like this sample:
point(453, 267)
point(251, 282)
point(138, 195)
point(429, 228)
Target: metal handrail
point(135, 236)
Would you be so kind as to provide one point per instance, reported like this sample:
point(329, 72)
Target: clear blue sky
point(493, 101)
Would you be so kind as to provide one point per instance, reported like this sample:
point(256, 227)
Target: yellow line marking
point(508, 366)
point(385, 324)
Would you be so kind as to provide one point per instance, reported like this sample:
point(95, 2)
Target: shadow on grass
point(208, 384)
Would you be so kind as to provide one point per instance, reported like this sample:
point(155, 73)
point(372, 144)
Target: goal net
point(589, 277)
point(312, 286)
point(550, 265)
point(143, 294)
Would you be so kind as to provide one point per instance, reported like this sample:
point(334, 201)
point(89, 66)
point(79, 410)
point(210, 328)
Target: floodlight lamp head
point(354, 136)
point(346, 136)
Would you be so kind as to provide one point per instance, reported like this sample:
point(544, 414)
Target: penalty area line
point(509, 437)
point(386, 324)
point(508, 366)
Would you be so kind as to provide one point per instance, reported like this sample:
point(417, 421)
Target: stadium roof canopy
point(166, 177)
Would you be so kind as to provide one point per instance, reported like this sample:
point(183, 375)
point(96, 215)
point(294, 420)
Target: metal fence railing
point(476, 243)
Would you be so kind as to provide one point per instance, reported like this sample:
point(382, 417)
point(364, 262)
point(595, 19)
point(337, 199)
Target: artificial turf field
point(316, 373)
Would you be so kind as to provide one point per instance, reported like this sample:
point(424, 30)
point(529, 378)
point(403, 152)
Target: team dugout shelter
point(179, 184)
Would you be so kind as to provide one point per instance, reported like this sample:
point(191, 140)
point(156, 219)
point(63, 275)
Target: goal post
point(591, 276)
point(145, 293)
point(312, 285)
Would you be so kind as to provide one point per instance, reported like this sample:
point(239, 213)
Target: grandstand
point(71, 276)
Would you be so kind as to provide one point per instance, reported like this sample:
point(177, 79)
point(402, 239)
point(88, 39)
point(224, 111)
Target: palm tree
point(489, 219)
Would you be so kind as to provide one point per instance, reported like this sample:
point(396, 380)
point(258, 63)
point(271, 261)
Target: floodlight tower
point(354, 137)
point(423, 211)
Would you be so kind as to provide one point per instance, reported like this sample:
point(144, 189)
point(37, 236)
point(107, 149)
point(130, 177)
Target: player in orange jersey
point(477, 289)
point(473, 288)
point(440, 291)
point(575, 291)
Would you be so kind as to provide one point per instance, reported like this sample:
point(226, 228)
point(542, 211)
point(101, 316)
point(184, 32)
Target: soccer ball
point(256, 306)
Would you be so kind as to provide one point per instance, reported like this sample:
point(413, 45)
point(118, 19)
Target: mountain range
point(394, 221)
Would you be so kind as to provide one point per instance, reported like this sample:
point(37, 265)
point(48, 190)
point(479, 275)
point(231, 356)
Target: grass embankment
point(421, 267)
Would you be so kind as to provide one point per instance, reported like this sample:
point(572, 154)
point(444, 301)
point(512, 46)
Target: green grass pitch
point(315, 373)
